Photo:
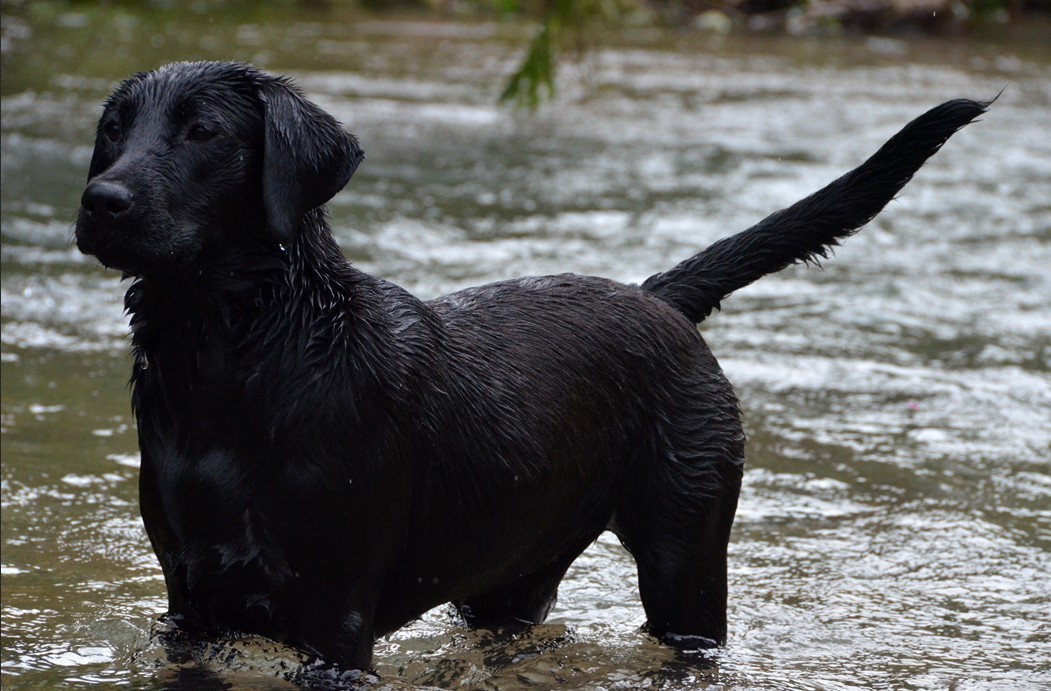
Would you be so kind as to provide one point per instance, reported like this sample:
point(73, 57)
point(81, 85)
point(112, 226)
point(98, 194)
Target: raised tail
point(811, 227)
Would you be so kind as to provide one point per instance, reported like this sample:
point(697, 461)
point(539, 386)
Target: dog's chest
point(217, 534)
point(205, 496)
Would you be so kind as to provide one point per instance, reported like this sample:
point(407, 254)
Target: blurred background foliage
point(572, 26)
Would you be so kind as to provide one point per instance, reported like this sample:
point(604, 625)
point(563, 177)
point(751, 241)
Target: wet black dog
point(325, 457)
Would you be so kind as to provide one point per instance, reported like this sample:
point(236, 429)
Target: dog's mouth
point(109, 252)
point(136, 246)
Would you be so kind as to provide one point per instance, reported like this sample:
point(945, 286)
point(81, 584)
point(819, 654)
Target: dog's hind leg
point(527, 600)
point(675, 519)
point(682, 581)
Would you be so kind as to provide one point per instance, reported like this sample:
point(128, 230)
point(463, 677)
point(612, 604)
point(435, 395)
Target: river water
point(895, 525)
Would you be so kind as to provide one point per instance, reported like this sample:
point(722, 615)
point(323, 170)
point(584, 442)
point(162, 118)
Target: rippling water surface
point(895, 525)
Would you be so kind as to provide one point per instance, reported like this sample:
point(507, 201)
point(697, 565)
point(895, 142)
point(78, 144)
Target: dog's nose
point(106, 200)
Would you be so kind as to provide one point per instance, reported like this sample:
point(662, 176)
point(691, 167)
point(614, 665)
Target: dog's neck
point(232, 309)
point(224, 281)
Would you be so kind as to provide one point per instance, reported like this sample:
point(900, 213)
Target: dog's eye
point(200, 133)
point(112, 131)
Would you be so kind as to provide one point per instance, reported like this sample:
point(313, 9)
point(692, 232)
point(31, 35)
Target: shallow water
point(895, 525)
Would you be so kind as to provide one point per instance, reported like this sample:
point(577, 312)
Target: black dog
point(325, 457)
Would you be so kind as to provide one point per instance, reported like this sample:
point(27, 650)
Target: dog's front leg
point(341, 636)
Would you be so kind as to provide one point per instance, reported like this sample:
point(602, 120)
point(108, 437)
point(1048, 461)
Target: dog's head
point(194, 155)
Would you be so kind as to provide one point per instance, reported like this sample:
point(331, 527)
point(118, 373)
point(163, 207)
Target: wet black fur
point(325, 457)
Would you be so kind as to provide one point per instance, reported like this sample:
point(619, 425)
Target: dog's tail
point(811, 227)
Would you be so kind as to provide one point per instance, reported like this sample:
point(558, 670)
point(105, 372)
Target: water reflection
point(894, 529)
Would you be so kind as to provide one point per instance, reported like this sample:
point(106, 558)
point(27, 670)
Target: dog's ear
point(307, 156)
